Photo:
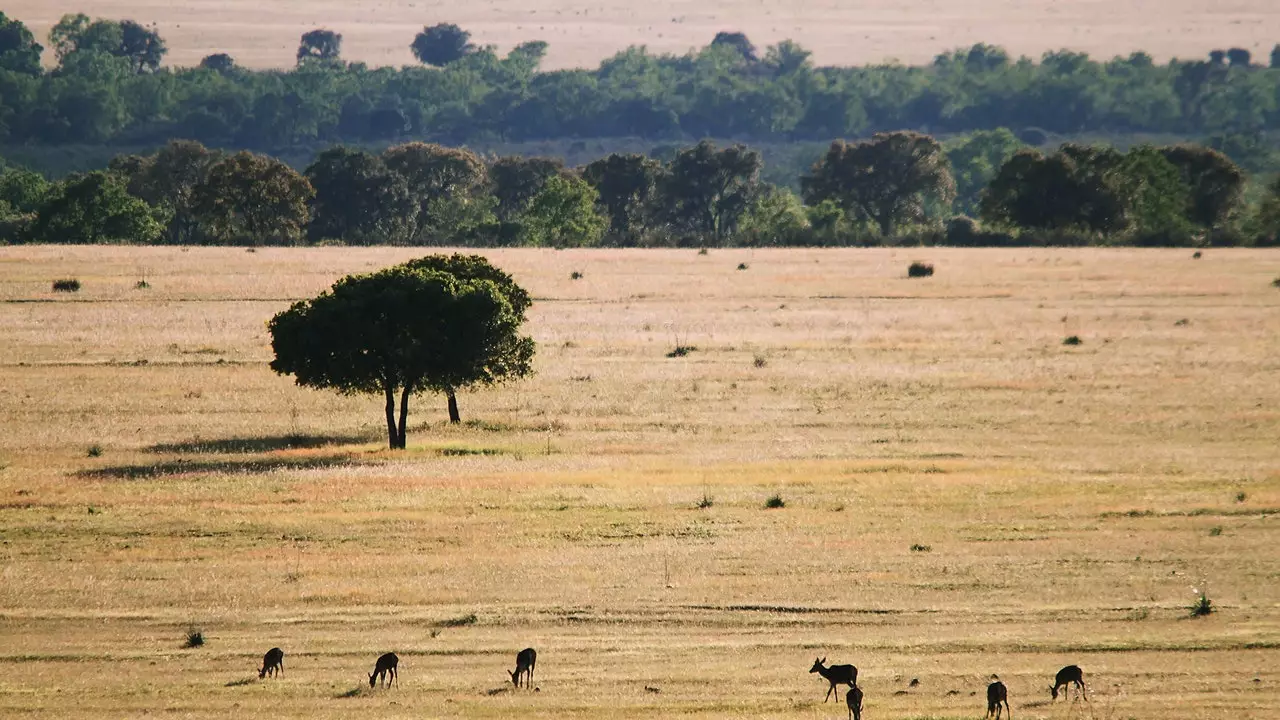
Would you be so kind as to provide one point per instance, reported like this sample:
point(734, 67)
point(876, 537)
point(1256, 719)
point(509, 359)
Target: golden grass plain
point(1062, 501)
point(581, 34)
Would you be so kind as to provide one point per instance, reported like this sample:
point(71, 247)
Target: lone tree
point(442, 44)
point(398, 332)
point(507, 360)
point(319, 45)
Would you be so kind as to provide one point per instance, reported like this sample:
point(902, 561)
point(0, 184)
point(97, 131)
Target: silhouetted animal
point(525, 660)
point(836, 675)
point(272, 662)
point(854, 700)
point(1067, 675)
point(385, 670)
point(997, 693)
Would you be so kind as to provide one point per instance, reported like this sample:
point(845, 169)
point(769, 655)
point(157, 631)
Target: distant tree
point(442, 44)
point(739, 42)
point(705, 190)
point(563, 214)
point(218, 62)
point(524, 59)
point(399, 332)
point(508, 360)
point(1268, 219)
point(169, 180)
point(1215, 184)
point(890, 180)
point(1156, 199)
point(776, 217)
point(787, 58)
point(23, 191)
point(515, 180)
point(1275, 57)
point(94, 208)
point(19, 51)
point(445, 186)
point(142, 46)
point(975, 160)
point(627, 185)
point(1217, 57)
point(254, 199)
point(1239, 57)
point(319, 45)
point(359, 200)
point(1076, 188)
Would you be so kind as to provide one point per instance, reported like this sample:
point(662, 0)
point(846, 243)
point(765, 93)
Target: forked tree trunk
point(454, 418)
point(404, 416)
point(392, 435)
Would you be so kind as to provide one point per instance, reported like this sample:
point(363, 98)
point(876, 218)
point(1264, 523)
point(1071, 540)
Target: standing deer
point(854, 700)
point(1067, 675)
point(525, 660)
point(385, 670)
point(272, 663)
point(997, 693)
point(836, 675)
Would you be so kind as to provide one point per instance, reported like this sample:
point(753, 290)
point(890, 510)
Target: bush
point(1196, 255)
point(760, 361)
point(706, 502)
point(575, 275)
point(95, 450)
point(742, 266)
point(774, 502)
point(919, 269)
point(921, 548)
point(1276, 282)
point(195, 638)
point(1073, 340)
point(1202, 606)
point(66, 285)
point(681, 351)
point(141, 285)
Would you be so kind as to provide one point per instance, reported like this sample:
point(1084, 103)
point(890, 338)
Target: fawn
point(525, 660)
point(272, 662)
point(385, 670)
point(854, 699)
point(836, 675)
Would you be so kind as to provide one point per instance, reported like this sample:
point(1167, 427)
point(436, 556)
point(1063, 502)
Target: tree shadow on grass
point(261, 444)
point(215, 467)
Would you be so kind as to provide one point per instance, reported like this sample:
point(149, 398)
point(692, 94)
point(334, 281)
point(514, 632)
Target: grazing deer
point(854, 699)
point(525, 660)
point(836, 675)
point(1067, 675)
point(272, 663)
point(997, 693)
point(385, 670)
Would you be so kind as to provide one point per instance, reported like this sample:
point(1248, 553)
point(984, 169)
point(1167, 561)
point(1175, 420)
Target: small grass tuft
point(575, 275)
point(1241, 496)
point(706, 502)
point(775, 502)
point(1181, 323)
point(1072, 340)
point(95, 450)
point(1202, 606)
point(760, 361)
point(1276, 282)
point(702, 251)
point(66, 285)
point(681, 351)
point(1215, 531)
point(1196, 255)
point(921, 548)
point(141, 285)
point(919, 269)
point(195, 638)
point(742, 266)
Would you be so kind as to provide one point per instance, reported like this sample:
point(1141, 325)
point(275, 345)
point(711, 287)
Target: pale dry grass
point(583, 33)
point(1068, 496)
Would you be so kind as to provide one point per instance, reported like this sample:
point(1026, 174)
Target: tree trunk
point(392, 435)
point(454, 418)
point(404, 415)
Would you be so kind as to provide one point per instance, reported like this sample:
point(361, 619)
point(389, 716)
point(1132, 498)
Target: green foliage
point(975, 160)
point(19, 51)
point(359, 201)
point(919, 269)
point(253, 199)
point(94, 208)
point(442, 44)
point(1268, 218)
point(445, 185)
point(323, 45)
point(168, 180)
point(402, 331)
point(775, 217)
point(22, 191)
point(708, 190)
point(563, 214)
point(141, 47)
point(69, 285)
point(890, 180)
point(628, 187)
point(1202, 607)
point(775, 502)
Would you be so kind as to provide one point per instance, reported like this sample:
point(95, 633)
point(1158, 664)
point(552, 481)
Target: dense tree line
point(892, 188)
point(109, 86)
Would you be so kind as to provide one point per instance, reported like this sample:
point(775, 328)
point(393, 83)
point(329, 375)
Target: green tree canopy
point(254, 199)
point(1215, 183)
point(563, 214)
point(319, 45)
point(442, 44)
point(94, 208)
point(359, 200)
point(628, 186)
point(889, 180)
point(396, 333)
point(706, 190)
point(975, 159)
point(446, 186)
point(19, 51)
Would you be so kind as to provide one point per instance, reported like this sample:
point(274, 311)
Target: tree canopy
point(399, 332)
point(442, 44)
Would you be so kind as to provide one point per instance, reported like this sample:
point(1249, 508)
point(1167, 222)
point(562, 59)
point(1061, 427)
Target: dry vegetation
point(1062, 501)
point(581, 33)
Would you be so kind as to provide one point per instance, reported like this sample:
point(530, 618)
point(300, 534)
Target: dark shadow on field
point(261, 444)
point(199, 467)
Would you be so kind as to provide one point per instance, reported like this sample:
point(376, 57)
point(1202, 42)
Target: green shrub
point(195, 638)
point(66, 285)
point(919, 269)
point(1072, 340)
point(681, 351)
point(1202, 606)
point(774, 502)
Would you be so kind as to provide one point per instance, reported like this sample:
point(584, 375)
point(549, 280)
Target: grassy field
point(964, 494)
point(582, 33)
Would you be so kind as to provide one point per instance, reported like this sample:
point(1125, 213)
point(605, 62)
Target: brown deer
point(1067, 675)
point(385, 670)
point(836, 675)
point(525, 660)
point(997, 693)
point(854, 700)
point(272, 663)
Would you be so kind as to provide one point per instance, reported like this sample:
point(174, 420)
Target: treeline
point(894, 188)
point(109, 86)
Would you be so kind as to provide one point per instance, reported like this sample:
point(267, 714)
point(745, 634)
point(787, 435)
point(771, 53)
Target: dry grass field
point(964, 494)
point(581, 33)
